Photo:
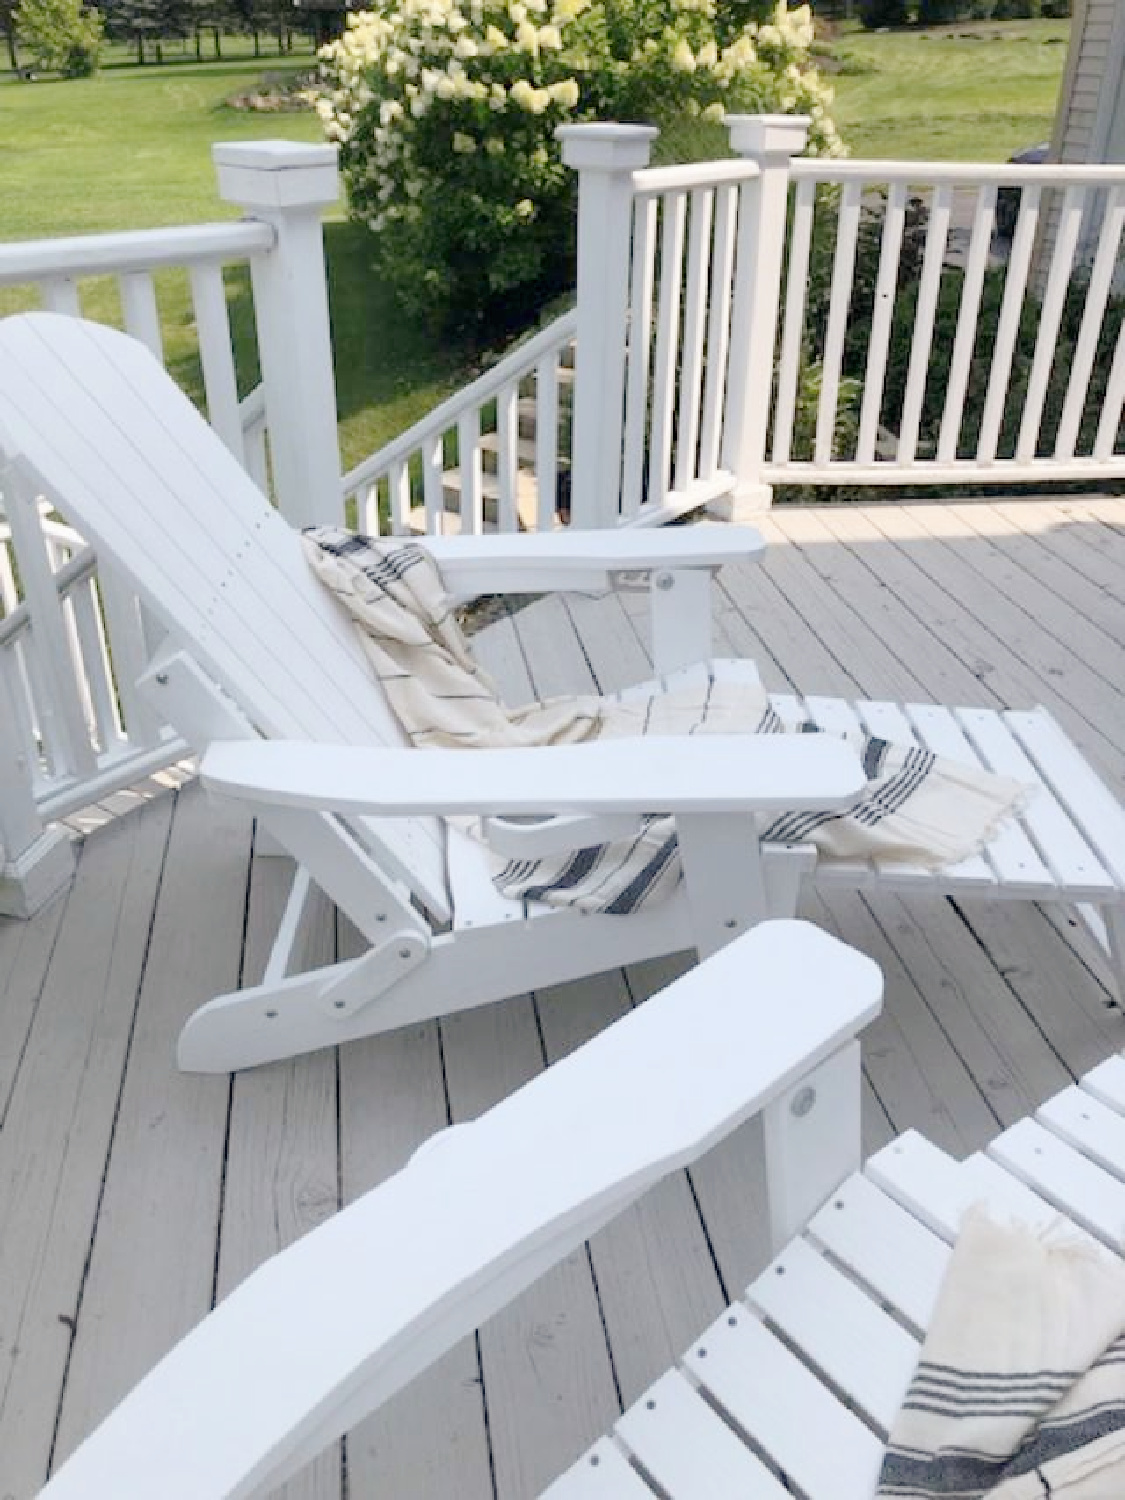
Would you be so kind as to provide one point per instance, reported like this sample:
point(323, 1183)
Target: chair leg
point(1114, 917)
point(812, 1142)
point(1106, 924)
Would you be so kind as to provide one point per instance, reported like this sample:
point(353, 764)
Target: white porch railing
point(740, 324)
point(495, 456)
point(73, 638)
point(980, 359)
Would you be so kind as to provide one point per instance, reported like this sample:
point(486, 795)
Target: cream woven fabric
point(914, 807)
point(1020, 1390)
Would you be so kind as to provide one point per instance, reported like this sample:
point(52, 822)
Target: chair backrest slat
point(132, 465)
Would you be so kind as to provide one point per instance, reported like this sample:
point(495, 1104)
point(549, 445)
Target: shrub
point(61, 36)
point(446, 120)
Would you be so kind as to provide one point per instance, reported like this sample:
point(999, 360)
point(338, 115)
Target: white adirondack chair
point(254, 647)
point(800, 1379)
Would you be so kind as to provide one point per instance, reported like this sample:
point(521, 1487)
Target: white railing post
point(286, 185)
point(605, 158)
point(772, 141)
point(35, 862)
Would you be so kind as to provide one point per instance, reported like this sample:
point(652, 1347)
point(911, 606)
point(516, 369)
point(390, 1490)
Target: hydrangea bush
point(445, 112)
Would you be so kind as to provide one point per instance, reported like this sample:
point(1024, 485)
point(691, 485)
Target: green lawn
point(131, 149)
point(965, 93)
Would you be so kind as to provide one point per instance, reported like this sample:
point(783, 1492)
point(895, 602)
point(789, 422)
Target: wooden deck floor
point(131, 1197)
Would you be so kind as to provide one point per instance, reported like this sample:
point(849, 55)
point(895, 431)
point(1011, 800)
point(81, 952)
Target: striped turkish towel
point(914, 807)
point(1019, 1393)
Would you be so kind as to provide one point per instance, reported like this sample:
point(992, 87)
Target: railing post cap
point(276, 174)
point(606, 147)
point(768, 135)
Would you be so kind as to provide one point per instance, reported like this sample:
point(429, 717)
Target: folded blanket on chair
point(914, 807)
point(1020, 1389)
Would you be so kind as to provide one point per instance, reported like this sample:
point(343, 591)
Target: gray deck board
point(131, 1196)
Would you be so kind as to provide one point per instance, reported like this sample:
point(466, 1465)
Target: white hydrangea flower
point(565, 93)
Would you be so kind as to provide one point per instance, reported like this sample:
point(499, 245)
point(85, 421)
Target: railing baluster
point(471, 471)
point(695, 323)
point(937, 237)
point(642, 281)
point(792, 338)
point(121, 611)
point(60, 295)
point(92, 664)
point(13, 666)
point(1015, 285)
point(547, 441)
point(399, 479)
point(61, 718)
point(433, 482)
point(1097, 296)
point(369, 508)
point(1050, 319)
point(718, 330)
point(1105, 444)
point(139, 310)
point(886, 284)
point(507, 470)
point(216, 354)
point(674, 208)
point(843, 275)
point(20, 824)
point(980, 243)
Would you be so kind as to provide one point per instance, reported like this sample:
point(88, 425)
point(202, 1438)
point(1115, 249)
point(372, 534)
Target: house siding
point(1090, 123)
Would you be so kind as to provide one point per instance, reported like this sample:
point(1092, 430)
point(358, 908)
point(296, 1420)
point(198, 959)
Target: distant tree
point(938, 12)
point(61, 36)
point(8, 27)
point(876, 13)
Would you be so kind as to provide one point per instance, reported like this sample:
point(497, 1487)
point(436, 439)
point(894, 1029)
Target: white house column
point(772, 141)
point(605, 157)
point(287, 185)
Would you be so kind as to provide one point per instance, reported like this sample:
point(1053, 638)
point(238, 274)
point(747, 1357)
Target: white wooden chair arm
point(331, 1327)
point(703, 774)
point(533, 562)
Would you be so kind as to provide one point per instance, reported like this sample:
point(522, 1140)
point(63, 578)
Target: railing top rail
point(1007, 174)
point(137, 250)
point(522, 358)
point(703, 174)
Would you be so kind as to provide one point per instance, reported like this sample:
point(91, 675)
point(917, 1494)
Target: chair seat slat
point(1065, 1177)
point(771, 1394)
point(1073, 863)
point(828, 1317)
point(1090, 1126)
point(689, 1450)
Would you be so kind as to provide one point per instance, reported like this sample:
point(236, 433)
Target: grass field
point(965, 93)
point(131, 149)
